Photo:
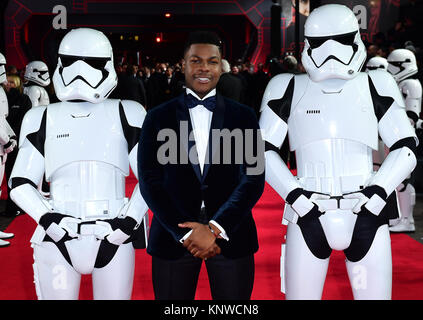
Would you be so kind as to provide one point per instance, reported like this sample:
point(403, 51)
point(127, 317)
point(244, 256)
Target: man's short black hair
point(203, 37)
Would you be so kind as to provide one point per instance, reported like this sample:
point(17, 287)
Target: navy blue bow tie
point(209, 103)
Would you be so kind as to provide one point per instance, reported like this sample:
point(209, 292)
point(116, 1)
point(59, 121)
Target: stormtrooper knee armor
point(333, 116)
point(402, 65)
point(37, 77)
point(85, 145)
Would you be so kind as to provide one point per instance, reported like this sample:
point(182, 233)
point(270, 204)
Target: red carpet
point(17, 277)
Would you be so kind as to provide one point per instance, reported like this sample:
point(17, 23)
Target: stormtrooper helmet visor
point(396, 67)
point(338, 47)
point(90, 70)
point(375, 67)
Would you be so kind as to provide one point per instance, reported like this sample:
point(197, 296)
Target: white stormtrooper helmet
point(377, 63)
point(3, 77)
point(37, 72)
point(402, 64)
point(333, 47)
point(85, 69)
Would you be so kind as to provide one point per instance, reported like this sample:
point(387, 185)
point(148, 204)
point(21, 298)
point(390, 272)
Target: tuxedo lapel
point(187, 145)
point(216, 123)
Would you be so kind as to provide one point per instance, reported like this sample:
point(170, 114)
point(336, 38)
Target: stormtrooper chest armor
point(84, 131)
point(86, 158)
point(333, 132)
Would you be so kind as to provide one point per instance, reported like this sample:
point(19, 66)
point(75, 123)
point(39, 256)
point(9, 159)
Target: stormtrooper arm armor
point(275, 109)
point(274, 127)
point(396, 132)
point(4, 137)
point(12, 143)
point(413, 99)
point(6, 131)
point(132, 117)
point(28, 169)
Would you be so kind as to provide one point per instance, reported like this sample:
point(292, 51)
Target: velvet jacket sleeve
point(250, 186)
point(150, 172)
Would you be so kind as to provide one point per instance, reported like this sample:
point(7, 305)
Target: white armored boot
point(4, 235)
point(407, 200)
point(4, 243)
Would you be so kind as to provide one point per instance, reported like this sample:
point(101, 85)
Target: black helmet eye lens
point(316, 42)
point(67, 60)
point(397, 64)
point(96, 63)
point(345, 39)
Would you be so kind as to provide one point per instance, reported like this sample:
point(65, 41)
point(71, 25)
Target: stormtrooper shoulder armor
point(132, 119)
point(389, 107)
point(385, 85)
point(32, 123)
point(275, 108)
point(134, 112)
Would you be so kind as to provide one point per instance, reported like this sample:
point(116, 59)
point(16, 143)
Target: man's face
point(203, 66)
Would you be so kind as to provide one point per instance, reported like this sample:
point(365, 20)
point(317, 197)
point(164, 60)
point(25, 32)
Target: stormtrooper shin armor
point(402, 65)
point(37, 77)
point(332, 117)
point(85, 145)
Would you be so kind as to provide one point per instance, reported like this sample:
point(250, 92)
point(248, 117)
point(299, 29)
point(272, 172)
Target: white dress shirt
point(201, 119)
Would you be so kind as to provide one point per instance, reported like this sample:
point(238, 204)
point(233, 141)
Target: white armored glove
point(122, 228)
point(8, 147)
point(304, 202)
point(55, 224)
point(371, 199)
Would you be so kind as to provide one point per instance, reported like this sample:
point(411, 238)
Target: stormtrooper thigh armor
point(85, 150)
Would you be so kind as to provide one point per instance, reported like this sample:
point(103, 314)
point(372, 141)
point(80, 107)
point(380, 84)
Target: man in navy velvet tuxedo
point(201, 202)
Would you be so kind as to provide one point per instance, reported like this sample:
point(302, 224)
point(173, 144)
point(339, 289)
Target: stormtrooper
point(332, 116)
point(402, 65)
point(86, 145)
point(37, 77)
point(7, 138)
